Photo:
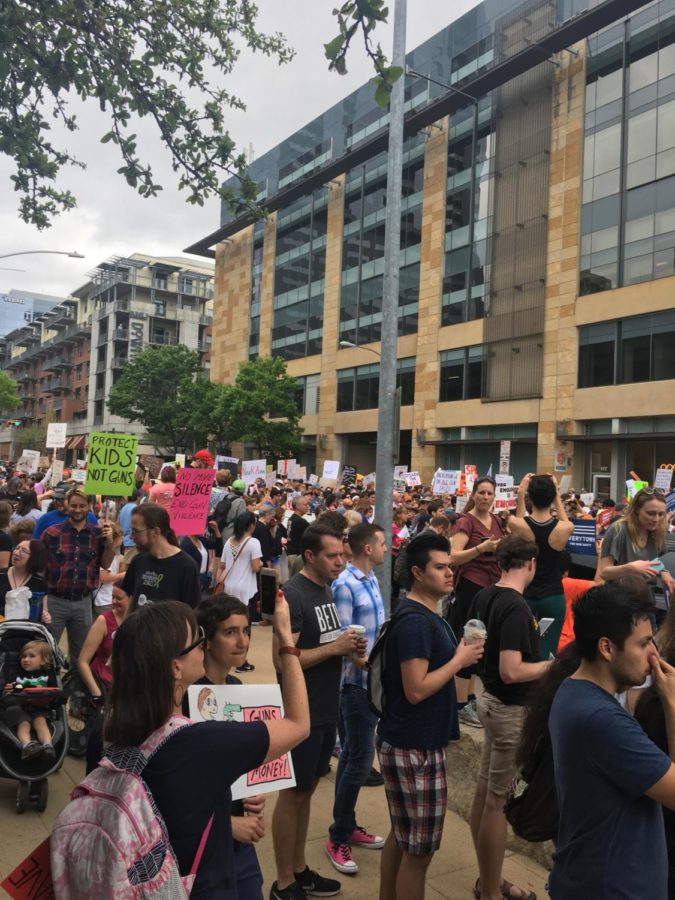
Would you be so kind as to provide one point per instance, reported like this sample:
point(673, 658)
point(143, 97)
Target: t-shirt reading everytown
point(149, 579)
point(315, 618)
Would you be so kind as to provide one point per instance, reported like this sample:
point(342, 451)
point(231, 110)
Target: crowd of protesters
point(105, 568)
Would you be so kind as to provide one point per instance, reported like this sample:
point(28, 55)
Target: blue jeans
point(357, 734)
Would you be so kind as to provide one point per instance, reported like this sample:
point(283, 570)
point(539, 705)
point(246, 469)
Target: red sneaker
point(341, 857)
point(361, 838)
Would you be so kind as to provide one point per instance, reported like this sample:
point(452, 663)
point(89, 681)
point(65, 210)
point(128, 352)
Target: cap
point(204, 456)
point(238, 486)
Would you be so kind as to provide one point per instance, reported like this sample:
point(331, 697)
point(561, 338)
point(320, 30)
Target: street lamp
point(349, 345)
point(72, 253)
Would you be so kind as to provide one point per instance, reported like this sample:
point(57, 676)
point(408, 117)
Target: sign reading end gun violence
point(245, 703)
point(190, 503)
point(111, 463)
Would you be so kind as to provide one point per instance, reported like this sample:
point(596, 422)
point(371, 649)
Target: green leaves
point(9, 397)
point(135, 59)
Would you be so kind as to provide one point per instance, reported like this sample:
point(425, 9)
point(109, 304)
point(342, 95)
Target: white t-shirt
point(104, 593)
point(240, 579)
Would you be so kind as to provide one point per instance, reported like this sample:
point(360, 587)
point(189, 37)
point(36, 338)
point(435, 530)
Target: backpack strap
point(134, 759)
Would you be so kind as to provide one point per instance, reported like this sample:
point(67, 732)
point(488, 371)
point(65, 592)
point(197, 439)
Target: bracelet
point(477, 550)
point(290, 651)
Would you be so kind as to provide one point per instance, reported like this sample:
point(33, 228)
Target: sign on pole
point(57, 471)
point(190, 503)
point(252, 469)
point(504, 457)
point(56, 435)
point(111, 464)
point(331, 469)
point(245, 703)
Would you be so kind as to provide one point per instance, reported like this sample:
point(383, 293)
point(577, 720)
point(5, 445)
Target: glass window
point(345, 390)
point(643, 71)
point(663, 340)
point(596, 354)
point(641, 136)
point(666, 126)
point(607, 150)
point(452, 375)
point(635, 344)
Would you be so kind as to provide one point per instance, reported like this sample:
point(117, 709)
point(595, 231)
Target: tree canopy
point(165, 390)
point(134, 58)
point(9, 398)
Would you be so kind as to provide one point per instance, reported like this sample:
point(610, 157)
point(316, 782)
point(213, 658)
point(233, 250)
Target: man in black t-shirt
point(161, 571)
point(317, 634)
point(297, 525)
point(510, 667)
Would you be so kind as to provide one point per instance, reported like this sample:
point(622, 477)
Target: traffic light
point(17, 423)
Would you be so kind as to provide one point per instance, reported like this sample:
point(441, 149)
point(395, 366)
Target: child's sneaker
point(341, 857)
point(48, 750)
point(31, 750)
point(362, 838)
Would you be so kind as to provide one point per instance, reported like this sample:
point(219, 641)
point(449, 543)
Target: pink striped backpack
point(110, 841)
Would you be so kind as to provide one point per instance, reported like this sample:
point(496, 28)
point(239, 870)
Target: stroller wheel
point(22, 796)
point(42, 795)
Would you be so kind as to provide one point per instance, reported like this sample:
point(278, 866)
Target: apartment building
point(537, 261)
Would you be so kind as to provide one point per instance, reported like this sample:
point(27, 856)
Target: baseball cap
point(204, 456)
point(238, 486)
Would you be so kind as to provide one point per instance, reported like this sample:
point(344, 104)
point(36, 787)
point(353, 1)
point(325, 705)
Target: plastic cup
point(360, 631)
point(474, 631)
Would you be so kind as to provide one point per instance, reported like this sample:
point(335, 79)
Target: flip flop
point(521, 895)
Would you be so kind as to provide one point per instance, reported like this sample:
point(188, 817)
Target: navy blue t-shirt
point(430, 724)
point(611, 842)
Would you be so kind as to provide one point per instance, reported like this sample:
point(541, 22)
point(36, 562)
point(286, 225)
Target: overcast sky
point(112, 219)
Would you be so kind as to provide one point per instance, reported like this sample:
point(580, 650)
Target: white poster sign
point(57, 471)
point(252, 469)
point(445, 481)
point(504, 480)
point(462, 500)
point(663, 479)
point(370, 480)
point(30, 461)
point(412, 479)
point(56, 435)
point(285, 467)
point(314, 480)
point(506, 498)
point(565, 483)
point(245, 703)
point(79, 475)
point(400, 472)
point(331, 469)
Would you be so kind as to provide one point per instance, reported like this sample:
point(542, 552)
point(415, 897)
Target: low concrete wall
point(462, 764)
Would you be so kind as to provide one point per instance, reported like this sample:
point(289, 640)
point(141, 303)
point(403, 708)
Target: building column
point(432, 267)
point(562, 275)
point(231, 304)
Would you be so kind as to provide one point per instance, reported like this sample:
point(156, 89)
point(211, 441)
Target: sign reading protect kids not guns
point(111, 464)
point(245, 703)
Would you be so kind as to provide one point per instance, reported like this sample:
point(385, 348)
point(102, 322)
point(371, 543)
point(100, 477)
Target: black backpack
point(377, 698)
point(532, 805)
point(401, 576)
point(222, 511)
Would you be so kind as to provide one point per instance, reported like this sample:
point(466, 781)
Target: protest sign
point(560, 461)
point(270, 480)
point(369, 481)
point(462, 500)
point(502, 480)
point(231, 463)
point(29, 461)
point(399, 484)
point(633, 486)
point(56, 435)
point(331, 469)
point(57, 471)
point(78, 475)
point(284, 467)
point(412, 479)
point(32, 878)
point(314, 480)
point(399, 472)
point(565, 483)
point(670, 502)
point(180, 459)
point(663, 479)
point(190, 503)
point(111, 463)
point(445, 481)
point(252, 469)
point(505, 498)
point(300, 473)
point(587, 499)
point(582, 540)
point(504, 457)
point(245, 703)
point(349, 475)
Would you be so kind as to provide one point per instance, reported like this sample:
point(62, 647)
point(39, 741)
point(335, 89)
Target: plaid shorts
point(417, 793)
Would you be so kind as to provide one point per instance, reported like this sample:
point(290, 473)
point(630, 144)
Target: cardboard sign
point(78, 475)
point(300, 473)
point(252, 469)
point(349, 475)
point(633, 486)
point(446, 481)
point(152, 464)
point(663, 479)
point(462, 500)
point(331, 468)
point(582, 539)
point(505, 498)
point(399, 472)
point(370, 480)
point(56, 435)
point(245, 703)
point(57, 471)
point(565, 483)
point(285, 466)
point(111, 463)
point(29, 461)
point(412, 479)
point(190, 503)
point(314, 480)
point(32, 878)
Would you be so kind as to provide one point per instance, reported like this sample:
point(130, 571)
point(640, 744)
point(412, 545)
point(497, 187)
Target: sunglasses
point(651, 492)
point(200, 642)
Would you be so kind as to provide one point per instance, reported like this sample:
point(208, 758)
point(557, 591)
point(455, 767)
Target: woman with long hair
point(158, 652)
point(5, 539)
point(27, 507)
point(633, 543)
point(475, 538)
point(26, 574)
point(239, 566)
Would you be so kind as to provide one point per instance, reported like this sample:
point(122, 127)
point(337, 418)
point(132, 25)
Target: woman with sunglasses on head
point(158, 652)
point(632, 545)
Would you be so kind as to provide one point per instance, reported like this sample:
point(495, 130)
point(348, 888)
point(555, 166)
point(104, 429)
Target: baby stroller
point(31, 774)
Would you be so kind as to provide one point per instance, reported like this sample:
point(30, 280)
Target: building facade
point(537, 262)
point(67, 360)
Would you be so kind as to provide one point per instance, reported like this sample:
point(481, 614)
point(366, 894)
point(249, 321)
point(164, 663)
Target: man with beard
point(610, 778)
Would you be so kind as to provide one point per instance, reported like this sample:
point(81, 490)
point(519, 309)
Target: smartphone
point(544, 625)
point(657, 565)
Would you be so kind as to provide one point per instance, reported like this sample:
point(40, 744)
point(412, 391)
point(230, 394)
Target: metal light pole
point(72, 253)
point(384, 459)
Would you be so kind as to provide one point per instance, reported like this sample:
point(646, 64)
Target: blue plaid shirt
point(359, 602)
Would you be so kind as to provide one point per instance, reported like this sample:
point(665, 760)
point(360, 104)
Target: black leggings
point(458, 614)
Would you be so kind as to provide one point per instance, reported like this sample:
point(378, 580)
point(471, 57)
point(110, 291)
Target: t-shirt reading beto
point(149, 579)
point(510, 626)
point(611, 842)
point(430, 724)
point(190, 778)
point(315, 619)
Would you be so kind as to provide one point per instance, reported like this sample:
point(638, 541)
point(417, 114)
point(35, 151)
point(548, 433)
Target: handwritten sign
point(412, 479)
point(252, 469)
point(57, 471)
point(29, 461)
point(78, 476)
point(505, 498)
point(32, 878)
point(56, 435)
point(399, 472)
point(331, 468)
point(349, 475)
point(446, 481)
point(314, 480)
point(245, 703)
point(663, 479)
point(502, 480)
point(111, 463)
point(285, 466)
point(190, 503)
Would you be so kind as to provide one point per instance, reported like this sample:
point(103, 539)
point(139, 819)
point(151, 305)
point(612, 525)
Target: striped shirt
point(359, 602)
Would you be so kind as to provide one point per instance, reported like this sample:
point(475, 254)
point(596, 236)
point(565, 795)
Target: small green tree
point(33, 437)
point(9, 397)
point(262, 406)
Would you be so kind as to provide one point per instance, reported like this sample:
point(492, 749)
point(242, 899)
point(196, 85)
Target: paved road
point(451, 875)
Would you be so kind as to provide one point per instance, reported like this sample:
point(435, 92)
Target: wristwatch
point(291, 651)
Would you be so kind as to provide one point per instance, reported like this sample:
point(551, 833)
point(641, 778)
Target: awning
point(78, 442)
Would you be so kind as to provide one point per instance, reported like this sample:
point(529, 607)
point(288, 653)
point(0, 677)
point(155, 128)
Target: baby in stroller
point(36, 671)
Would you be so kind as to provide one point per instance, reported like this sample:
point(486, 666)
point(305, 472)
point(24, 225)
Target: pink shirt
point(162, 494)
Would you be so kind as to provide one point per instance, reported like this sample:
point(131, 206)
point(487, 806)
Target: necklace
point(12, 579)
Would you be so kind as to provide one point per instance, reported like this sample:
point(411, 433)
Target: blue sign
point(670, 501)
point(582, 540)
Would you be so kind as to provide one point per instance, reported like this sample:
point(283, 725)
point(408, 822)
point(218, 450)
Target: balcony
point(121, 334)
point(98, 420)
point(119, 362)
point(100, 394)
point(204, 346)
point(58, 362)
point(101, 366)
point(206, 320)
point(170, 339)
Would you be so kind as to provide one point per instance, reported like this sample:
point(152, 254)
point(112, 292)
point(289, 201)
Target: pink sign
point(275, 769)
point(190, 504)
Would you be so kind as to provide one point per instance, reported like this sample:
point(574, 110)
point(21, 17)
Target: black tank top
point(547, 581)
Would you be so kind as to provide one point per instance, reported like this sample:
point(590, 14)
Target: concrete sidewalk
point(452, 873)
